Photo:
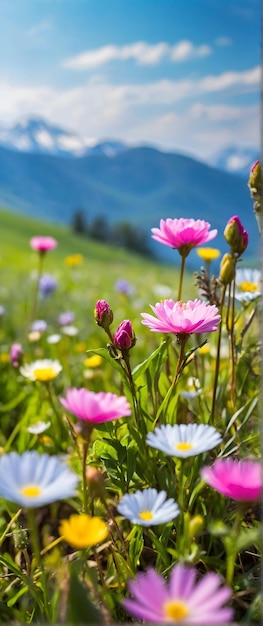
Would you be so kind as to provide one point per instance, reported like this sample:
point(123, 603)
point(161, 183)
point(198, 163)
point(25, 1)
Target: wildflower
point(65, 319)
point(16, 355)
point(162, 291)
point(193, 388)
point(236, 236)
point(248, 284)
point(208, 254)
point(95, 407)
point(239, 480)
point(183, 440)
point(47, 284)
point(43, 244)
point(54, 338)
point(183, 234)
point(34, 336)
point(194, 316)
point(182, 599)
point(73, 260)
point(93, 361)
point(32, 479)
point(148, 507)
point(83, 531)
point(70, 331)
point(38, 428)
point(42, 370)
point(39, 326)
point(124, 287)
point(103, 314)
point(124, 337)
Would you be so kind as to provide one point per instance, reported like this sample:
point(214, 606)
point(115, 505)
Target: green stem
point(60, 425)
point(218, 357)
point(183, 257)
point(37, 554)
point(84, 475)
point(231, 552)
point(35, 296)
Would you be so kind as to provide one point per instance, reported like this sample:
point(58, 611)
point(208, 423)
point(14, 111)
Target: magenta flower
point(43, 244)
point(239, 480)
point(181, 599)
point(193, 316)
point(124, 337)
point(183, 234)
point(16, 355)
point(235, 235)
point(103, 314)
point(94, 407)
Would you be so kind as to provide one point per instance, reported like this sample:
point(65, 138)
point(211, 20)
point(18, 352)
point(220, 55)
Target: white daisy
point(42, 370)
point(32, 479)
point(71, 331)
point(193, 388)
point(183, 440)
point(38, 427)
point(248, 284)
point(55, 338)
point(148, 507)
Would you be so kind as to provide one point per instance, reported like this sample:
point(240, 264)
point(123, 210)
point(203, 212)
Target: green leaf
point(80, 609)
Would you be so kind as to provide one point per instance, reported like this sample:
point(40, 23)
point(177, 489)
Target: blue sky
point(183, 76)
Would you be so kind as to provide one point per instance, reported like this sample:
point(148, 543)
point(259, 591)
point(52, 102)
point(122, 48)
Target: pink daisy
point(183, 234)
point(179, 600)
point(95, 407)
point(193, 316)
point(239, 480)
point(43, 244)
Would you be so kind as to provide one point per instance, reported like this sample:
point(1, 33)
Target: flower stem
point(35, 296)
point(37, 554)
point(183, 257)
point(217, 357)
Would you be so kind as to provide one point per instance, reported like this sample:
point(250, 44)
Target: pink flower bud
point(16, 355)
point(43, 244)
point(124, 337)
point(235, 235)
point(103, 314)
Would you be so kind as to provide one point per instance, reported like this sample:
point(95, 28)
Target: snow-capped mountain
point(35, 135)
point(235, 160)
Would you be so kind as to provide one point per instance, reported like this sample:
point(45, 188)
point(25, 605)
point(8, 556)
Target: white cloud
point(223, 41)
point(143, 53)
point(147, 112)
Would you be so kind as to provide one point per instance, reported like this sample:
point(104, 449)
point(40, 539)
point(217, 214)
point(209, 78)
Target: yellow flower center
point(176, 610)
point(247, 286)
point(183, 445)
point(31, 491)
point(44, 374)
point(208, 254)
point(146, 515)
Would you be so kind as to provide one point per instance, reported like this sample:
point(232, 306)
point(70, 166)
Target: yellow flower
point(208, 254)
point(4, 357)
point(93, 361)
point(83, 531)
point(73, 260)
point(204, 349)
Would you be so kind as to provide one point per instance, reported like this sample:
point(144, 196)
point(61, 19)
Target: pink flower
point(194, 316)
point(179, 600)
point(103, 314)
point(95, 407)
point(43, 244)
point(16, 355)
point(183, 234)
point(239, 480)
point(124, 337)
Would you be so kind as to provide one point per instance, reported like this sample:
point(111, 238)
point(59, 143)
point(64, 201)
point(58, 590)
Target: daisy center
point(146, 515)
point(44, 374)
point(31, 491)
point(176, 610)
point(247, 286)
point(183, 445)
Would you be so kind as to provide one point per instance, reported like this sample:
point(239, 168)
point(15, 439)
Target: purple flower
point(39, 326)
point(103, 314)
point(124, 337)
point(182, 599)
point(123, 286)
point(47, 284)
point(65, 319)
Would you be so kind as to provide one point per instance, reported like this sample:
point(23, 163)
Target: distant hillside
point(139, 185)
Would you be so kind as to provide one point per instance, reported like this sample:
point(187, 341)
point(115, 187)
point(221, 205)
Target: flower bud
point(95, 481)
point(235, 235)
point(196, 525)
point(16, 355)
point(103, 314)
point(254, 181)
point(20, 539)
point(124, 337)
point(227, 269)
